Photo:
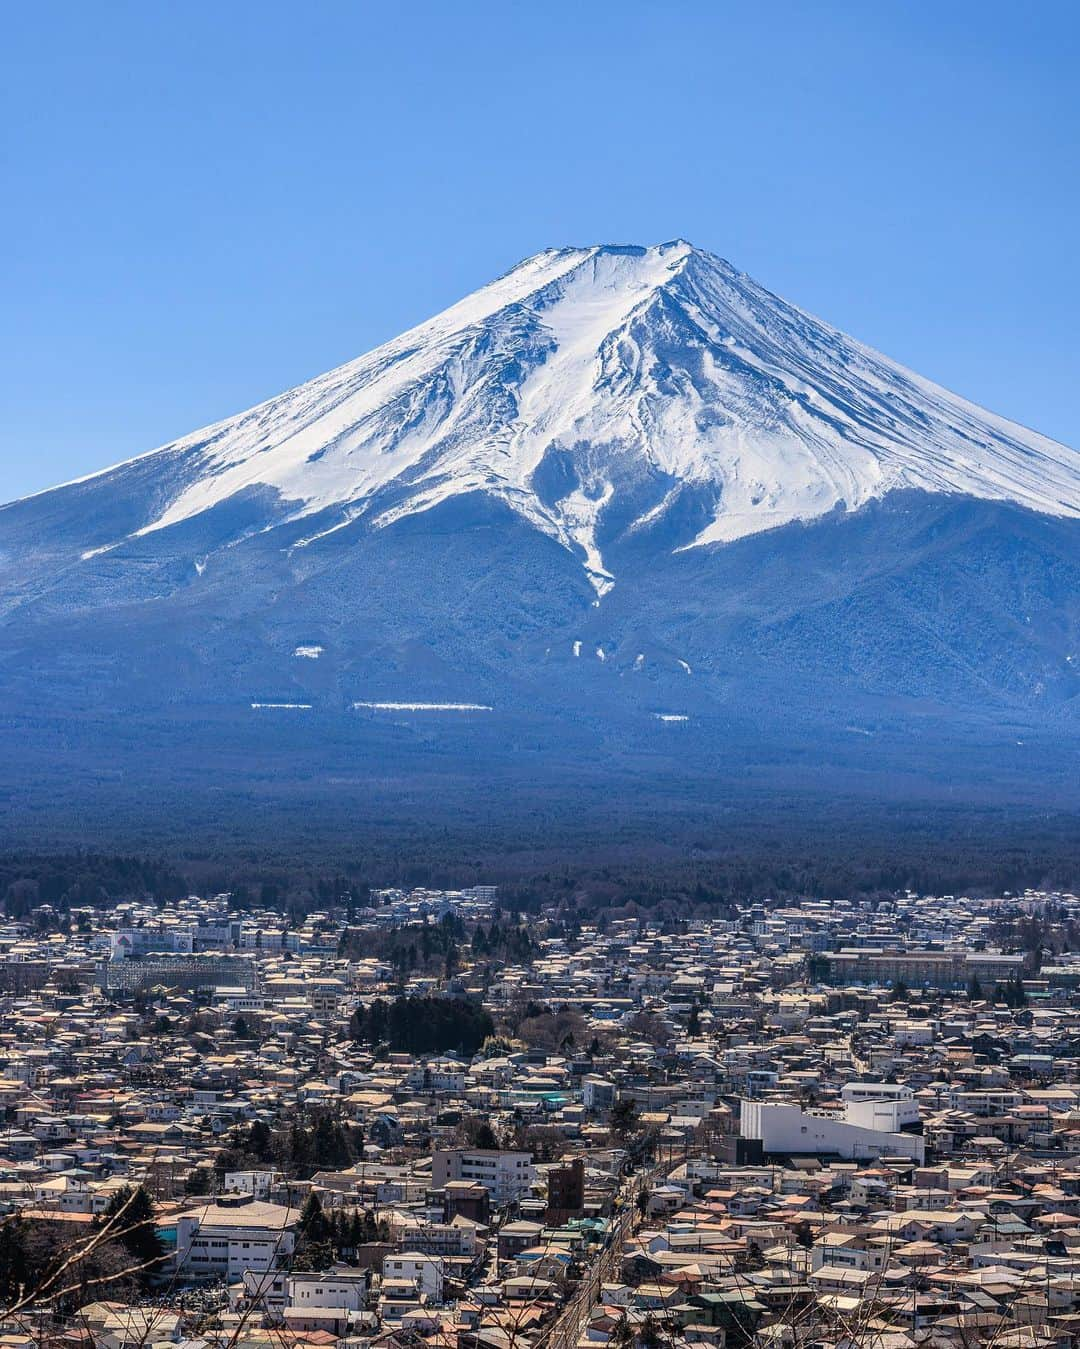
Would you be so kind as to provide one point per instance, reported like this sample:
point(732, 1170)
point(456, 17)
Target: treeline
point(416, 948)
point(423, 1025)
point(425, 948)
point(77, 879)
point(296, 1150)
point(508, 943)
point(1052, 932)
point(703, 868)
point(101, 880)
point(338, 1235)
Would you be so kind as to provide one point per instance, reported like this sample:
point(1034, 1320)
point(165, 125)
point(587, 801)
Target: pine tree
point(485, 1137)
point(624, 1119)
point(622, 1334)
point(314, 1225)
point(260, 1140)
point(649, 1336)
point(377, 1021)
point(13, 1261)
point(301, 1155)
point(130, 1213)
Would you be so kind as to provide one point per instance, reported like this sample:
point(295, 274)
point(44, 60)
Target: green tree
point(622, 1334)
point(14, 1267)
point(649, 1335)
point(130, 1213)
point(1015, 996)
point(484, 1137)
point(624, 1119)
point(434, 1025)
point(299, 1159)
point(330, 1144)
point(314, 1226)
point(260, 1140)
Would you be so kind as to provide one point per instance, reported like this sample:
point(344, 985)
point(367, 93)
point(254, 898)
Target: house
point(425, 1274)
point(342, 1287)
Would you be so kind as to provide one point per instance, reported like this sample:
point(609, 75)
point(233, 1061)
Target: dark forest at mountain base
point(672, 866)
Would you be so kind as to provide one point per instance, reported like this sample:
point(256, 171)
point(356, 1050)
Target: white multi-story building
point(597, 1093)
point(985, 1103)
point(342, 1288)
point(234, 1237)
point(880, 1105)
point(128, 942)
point(258, 1184)
point(426, 1273)
point(436, 1075)
point(444, 1239)
point(505, 1175)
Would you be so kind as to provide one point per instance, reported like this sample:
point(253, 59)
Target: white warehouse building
point(789, 1130)
point(234, 1237)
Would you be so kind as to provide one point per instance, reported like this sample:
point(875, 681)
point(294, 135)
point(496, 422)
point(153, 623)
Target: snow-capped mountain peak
point(552, 536)
point(605, 393)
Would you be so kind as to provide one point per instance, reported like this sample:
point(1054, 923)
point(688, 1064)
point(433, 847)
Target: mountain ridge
point(620, 519)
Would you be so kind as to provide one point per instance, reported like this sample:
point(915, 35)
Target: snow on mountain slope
point(604, 384)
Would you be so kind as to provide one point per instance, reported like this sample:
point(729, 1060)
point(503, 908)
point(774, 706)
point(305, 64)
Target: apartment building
point(921, 969)
point(505, 1175)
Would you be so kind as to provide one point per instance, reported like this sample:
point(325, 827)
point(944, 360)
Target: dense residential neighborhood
point(428, 1120)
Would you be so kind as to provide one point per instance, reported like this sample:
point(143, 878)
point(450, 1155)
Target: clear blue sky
point(205, 203)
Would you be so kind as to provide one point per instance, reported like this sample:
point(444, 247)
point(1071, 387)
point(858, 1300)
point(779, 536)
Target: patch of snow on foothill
point(424, 707)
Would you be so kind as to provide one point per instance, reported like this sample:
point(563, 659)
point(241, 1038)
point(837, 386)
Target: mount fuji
point(622, 513)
